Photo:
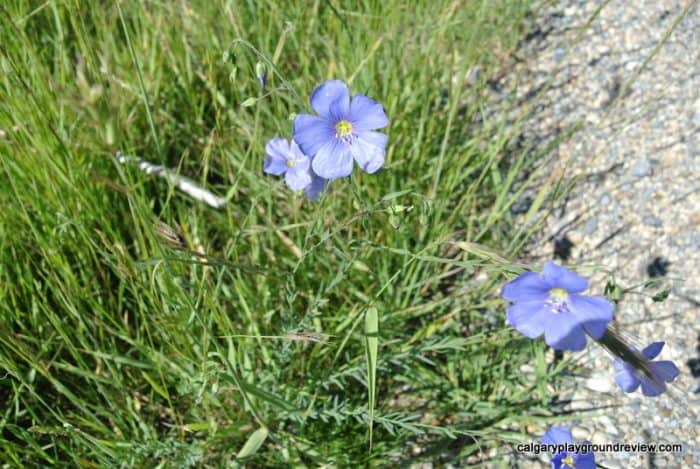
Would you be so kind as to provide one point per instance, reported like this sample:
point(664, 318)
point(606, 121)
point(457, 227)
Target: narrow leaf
point(253, 444)
point(372, 336)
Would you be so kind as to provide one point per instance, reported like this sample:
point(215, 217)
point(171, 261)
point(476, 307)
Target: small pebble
point(599, 383)
point(608, 424)
point(559, 54)
point(641, 168)
point(635, 403)
point(613, 465)
point(591, 226)
point(579, 433)
point(522, 205)
point(652, 220)
point(647, 194)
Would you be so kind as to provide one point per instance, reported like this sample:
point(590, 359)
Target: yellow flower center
point(291, 163)
point(343, 128)
point(569, 460)
point(559, 293)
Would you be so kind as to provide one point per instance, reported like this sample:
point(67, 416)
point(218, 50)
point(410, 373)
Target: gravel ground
point(635, 210)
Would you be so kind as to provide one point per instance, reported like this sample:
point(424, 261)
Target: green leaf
point(260, 69)
point(253, 444)
point(393, 195)
point(253, 390)
point(661, 296)
point(372, 337)
point(249, 102)
point(197, 426)
point(156, 387)
point(613, 291)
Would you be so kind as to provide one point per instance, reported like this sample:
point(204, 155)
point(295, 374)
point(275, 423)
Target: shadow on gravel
point(562, 248)
point(658, 267)
point(694, 363)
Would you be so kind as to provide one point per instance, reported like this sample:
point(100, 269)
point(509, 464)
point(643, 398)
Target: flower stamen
point(557, 300)
point(343, 128)
point(559, 294)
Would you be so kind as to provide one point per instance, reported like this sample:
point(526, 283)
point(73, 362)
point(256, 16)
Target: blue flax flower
point(654, 376)
point(316, 188)
point(344, 130)
point(550, 303)
point(286, 158)
point(567, 459)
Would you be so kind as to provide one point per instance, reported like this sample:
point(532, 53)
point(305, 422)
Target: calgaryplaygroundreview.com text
point(586, 447)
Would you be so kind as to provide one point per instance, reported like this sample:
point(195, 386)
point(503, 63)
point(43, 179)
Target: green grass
point(118, 348)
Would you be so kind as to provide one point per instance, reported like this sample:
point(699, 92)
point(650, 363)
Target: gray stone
point(559, 54)
point(641, 168)
point(652, 220)
point(647, 194)
point(635, 403)
point(621, 455)
point(608, 425)
point(599, 382)
point(613, 465)
point(591, 226)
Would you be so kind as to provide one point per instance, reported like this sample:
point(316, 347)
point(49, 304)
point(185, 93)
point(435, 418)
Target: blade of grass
point(372, 344)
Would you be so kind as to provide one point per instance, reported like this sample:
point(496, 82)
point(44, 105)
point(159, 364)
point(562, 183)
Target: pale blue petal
point(333, 160)
point(556, 460)
point(529, 286)
point(324, 96)
point(311, 133)
point(315, 189)
point(561, 277)
point(277, 151)
point(301, 162)
point(651, 351)
point(297, 178)
point(627, 380)
point(619, 364)
point(275, 165)
point(277, 147)
point(375, 138)
point(665, 370)
point(296, 152)
point(528, 318)
point(593, 312)
point(339, 110)
point(368, 156)
point(584, 461)
point(367, 114)
point(557, 436)
point(652, 388)
point(563, 332)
